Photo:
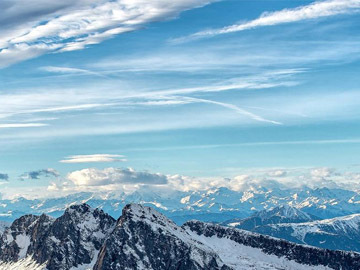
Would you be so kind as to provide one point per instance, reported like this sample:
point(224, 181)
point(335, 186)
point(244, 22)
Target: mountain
point(213, 205)
point(337, 233)
point(142, 238)
point(276, 215)
point(73, 239)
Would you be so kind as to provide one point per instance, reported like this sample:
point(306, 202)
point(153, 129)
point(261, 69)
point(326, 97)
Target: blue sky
point(195, 88)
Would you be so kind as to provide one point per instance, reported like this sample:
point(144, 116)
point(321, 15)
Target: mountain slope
point(142, 238)
point(337, 233)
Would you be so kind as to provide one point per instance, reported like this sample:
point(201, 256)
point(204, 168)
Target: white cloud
point(115, 176)
point(237, 110)
point(69, 70)
point(23, 125)
point(129, 180)
point(93, 158)
point(318, 9)
point(277, 173)
point(322, 172)
point(48, 26)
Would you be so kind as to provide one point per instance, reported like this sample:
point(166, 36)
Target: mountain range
point(142, 238)
point(294, 225)
point(213, 205)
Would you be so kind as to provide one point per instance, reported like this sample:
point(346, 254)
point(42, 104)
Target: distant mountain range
point(142, 238)
point(294, 225)
point(276, 215)
point(214, 205)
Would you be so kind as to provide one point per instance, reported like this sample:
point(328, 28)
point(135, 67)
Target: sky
point(107, 94)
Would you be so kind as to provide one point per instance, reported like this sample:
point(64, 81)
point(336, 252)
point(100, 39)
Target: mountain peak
point(79, 208)
point(285, 211)
point(140, 213)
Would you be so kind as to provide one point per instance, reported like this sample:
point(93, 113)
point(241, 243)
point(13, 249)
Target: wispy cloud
point(93, 158)
point(44, 102)
point(319, 9)
point(236, 109)
point(48, 27)
point(23, 125)
point(70, 70)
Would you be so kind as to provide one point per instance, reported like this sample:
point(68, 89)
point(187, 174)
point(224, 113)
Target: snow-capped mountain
point(142, 238)
point(337, 233)
point(214, 205)
point(276, 215)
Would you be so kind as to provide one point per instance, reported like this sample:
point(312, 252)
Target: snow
point(242, 257)
point(23, 242)
point(340, 225)
point(23, 264)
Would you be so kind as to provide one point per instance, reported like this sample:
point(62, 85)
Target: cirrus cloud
point(318, 9)
point(47, 26)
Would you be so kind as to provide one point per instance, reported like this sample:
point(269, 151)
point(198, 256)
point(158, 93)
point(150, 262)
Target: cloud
point(115, 176)
point(322, 172)
point(22, 125)
point(35, 175)
point(238, 110)
point(277, 173)
point(249, 180)
point(70, 70)
point(4, 177)
point(318, 9)
point(256, 179)
point(47, 26)
point(93, 158)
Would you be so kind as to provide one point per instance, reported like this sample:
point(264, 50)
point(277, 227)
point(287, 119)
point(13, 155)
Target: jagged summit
point(68, 241)
point(138, 212)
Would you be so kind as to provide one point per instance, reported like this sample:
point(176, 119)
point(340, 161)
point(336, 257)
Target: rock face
point(69, 241)
point(142, 238)
point(145, 239)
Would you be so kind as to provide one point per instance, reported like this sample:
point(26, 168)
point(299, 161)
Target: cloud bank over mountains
point(129, 180)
